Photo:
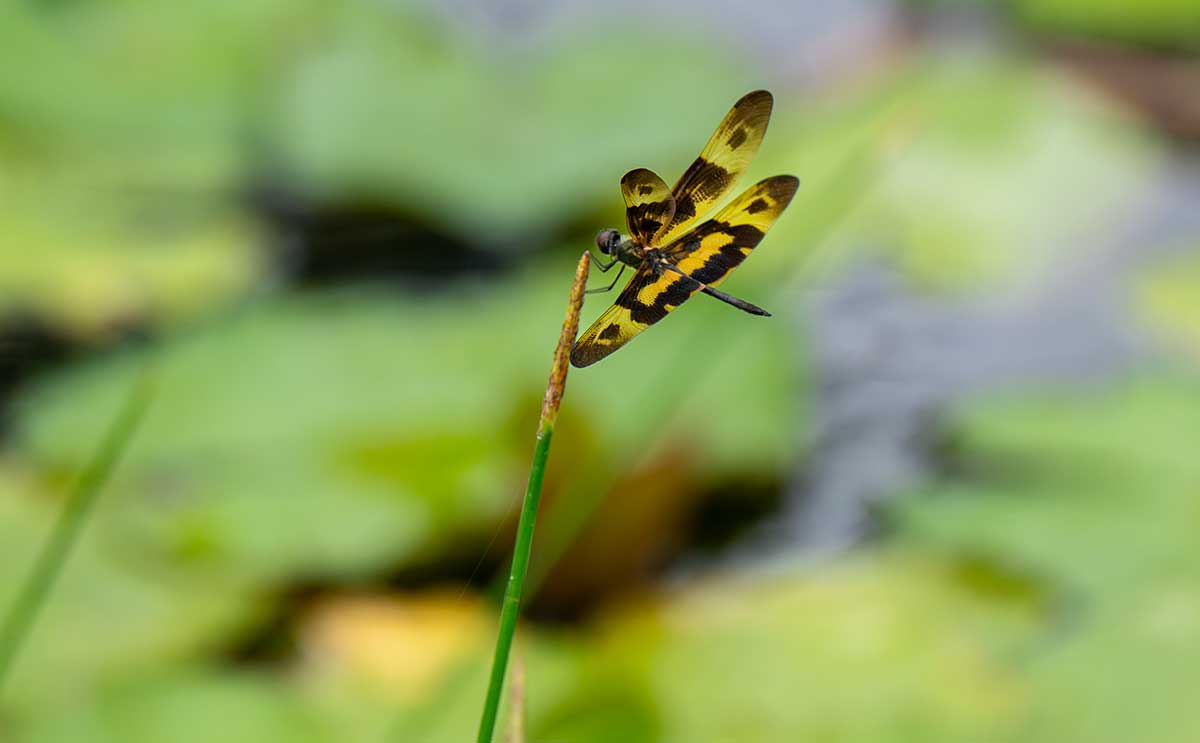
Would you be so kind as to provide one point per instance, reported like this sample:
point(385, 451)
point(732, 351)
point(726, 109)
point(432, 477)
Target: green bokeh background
point(342, 234)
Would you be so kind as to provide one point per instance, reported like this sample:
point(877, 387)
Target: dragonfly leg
point(604, 267)
point(610, 286)
point(729, 299)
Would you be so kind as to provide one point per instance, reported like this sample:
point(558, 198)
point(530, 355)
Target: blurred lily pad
point(884, 648)
point(1098, 487)
point(350, 432)
point(406, 646)
point(489, 146)
point(110, 614)
point(188, 705)
point(955, 168)
point(89, 271)
point(119, 161)
point(1100, 492)
point(157, 95)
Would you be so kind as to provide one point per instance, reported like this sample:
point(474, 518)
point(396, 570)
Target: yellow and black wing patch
point(728, 153)
point(646, 300)
point(649, 205)
point(710, 251)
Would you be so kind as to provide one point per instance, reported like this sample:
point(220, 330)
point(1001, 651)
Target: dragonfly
point(672, 258)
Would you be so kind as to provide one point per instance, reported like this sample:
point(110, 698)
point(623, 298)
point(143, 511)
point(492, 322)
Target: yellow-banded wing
point(649, 205)
point(647, 298)
point(710, 251)
point(705, 255)
point(721, 162)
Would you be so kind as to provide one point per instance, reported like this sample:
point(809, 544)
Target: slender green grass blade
point(49, 564)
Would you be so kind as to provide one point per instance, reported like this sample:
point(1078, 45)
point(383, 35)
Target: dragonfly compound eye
point(607, 240)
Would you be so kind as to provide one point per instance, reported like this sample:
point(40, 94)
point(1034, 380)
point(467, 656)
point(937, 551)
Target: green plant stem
point(511, 607)
point(516, 584)
point(57, 548)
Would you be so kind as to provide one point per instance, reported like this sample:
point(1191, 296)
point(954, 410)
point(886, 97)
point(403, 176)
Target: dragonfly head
point(607, 241)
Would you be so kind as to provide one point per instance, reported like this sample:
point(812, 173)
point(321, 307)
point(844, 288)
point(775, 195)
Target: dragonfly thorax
point(630, 253)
